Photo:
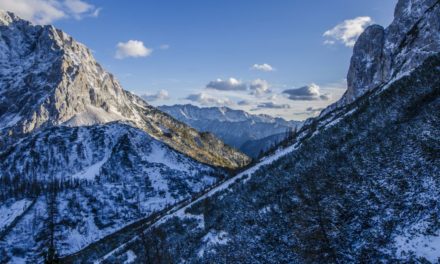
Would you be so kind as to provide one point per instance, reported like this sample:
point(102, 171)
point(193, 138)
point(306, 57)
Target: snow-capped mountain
point(359, 184)
point(81, 158)
point(246, 132)
point(49, 79)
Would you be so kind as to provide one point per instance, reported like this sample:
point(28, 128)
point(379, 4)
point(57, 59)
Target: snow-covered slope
point(106, 177)
point(47, 79)
point(234, 127)
point(359, 184)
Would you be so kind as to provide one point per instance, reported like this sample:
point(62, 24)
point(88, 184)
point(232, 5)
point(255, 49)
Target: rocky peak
point(7, 18)
point(49, 79)
point(381, 55)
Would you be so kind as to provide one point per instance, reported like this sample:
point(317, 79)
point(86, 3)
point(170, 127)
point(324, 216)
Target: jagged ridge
point(49, 79)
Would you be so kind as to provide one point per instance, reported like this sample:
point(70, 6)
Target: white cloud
point(164, 46)
point(263, 67)
point(208, 100)
point(132, 48)
point(231, 84)
point(307, 93)
point(47, 11)
point(161, 95)
point(259, 87)
point(348, 31)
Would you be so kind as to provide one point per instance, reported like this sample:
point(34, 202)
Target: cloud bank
point(230, 84)
point(161, 95)
point(273, 105)
point(306, 93)
point(259, 87)
point(348, 31)
point(209, 100)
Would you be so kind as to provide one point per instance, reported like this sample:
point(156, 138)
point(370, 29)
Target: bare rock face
point(49, 79)
point(382, 55)
point(366, 67)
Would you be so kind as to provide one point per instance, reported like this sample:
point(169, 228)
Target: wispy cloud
point(348, 31)
point(48, 11)
point(132, 48)
point(161, 95)
point(263, 67)
point(164, 46)
point(306, 93)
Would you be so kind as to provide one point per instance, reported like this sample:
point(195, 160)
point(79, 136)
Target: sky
point(286, 58)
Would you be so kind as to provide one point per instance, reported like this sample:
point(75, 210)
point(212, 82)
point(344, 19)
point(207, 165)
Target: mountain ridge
point(53, 80)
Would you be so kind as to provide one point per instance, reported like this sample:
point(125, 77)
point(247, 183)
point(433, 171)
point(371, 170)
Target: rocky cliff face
point(381, 55)
point(49, 79)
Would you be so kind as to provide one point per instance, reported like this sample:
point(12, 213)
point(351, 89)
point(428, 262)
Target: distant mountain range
point(249, 133)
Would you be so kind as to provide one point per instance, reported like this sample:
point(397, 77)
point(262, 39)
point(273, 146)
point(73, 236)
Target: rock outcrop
point(381, 55)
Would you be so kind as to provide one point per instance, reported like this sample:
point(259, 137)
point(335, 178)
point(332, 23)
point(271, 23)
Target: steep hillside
point(94, 180)
point(234, 127)
point(360, 185)
point(49, 79)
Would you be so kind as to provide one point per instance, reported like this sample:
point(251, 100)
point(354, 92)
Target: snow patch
point(131, 257)
point(10, 211)
point(211, 239)
point(426, 246)
point(90, 172)
point(159, 154)
point(93, 115)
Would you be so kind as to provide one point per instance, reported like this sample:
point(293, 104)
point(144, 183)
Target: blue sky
point(189, 44)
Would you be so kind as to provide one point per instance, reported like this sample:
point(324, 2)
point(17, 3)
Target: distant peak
point(7, 18)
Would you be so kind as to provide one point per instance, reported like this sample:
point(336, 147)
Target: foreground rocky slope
point(49, 79)
point(370, 194)
point(252, 134)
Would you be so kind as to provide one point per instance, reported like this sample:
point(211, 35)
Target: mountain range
point(251, 134)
